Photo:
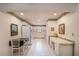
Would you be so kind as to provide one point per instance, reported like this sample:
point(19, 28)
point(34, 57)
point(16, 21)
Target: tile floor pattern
point(39, 47)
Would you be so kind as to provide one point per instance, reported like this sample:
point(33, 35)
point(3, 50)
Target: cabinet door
point(66, 50)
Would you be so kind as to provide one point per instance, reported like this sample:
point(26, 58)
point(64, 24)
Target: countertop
point(60, 41)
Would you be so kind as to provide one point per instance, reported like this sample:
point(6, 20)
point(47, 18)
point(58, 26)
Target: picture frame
point(62, 29)
point(14, 29)
point(52, 28)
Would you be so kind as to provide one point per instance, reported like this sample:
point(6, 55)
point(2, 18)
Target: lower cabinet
point(62, 47)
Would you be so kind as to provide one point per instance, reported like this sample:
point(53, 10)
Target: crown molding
point(13, 14)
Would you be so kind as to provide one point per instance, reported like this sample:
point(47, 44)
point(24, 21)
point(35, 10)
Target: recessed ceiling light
point(21, 13)
point(55, 14)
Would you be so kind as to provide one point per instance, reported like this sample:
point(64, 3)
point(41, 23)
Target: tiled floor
point(39, 47)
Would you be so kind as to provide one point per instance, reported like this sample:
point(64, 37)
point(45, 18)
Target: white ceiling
point(38, 13)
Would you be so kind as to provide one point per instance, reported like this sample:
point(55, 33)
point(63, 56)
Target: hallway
point(54, 25)
point(39, 47)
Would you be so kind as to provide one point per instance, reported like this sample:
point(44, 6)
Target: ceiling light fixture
point(55, 14)
point(21, 13)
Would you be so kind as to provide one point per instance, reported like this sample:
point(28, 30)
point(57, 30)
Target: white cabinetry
point(62, 47)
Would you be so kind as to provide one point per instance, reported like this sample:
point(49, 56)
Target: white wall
point(5, 22)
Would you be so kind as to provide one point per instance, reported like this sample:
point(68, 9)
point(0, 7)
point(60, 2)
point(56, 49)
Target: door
point(26, 32)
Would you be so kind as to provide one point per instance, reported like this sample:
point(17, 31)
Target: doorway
point(39, 32)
